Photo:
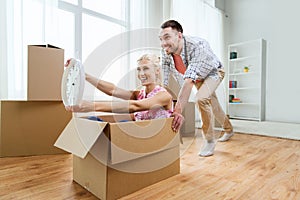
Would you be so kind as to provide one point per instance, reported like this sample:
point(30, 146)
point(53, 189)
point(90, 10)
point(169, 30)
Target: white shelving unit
point(249, 86)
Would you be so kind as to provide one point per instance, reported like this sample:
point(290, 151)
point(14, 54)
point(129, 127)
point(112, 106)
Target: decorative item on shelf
point(231, 97)
point(233, 55)
point(236, 100)
point(246, 69)
point(232, 84)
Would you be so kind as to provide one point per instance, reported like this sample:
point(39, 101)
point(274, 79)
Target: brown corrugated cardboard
point(113, 159)
point(45, 69)
point(108, 183)
point(188, 127)
point(31, 127)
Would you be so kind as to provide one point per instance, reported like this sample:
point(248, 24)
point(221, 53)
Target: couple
point(192, 62)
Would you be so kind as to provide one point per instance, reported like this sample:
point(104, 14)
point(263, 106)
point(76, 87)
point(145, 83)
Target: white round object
point(72, 84)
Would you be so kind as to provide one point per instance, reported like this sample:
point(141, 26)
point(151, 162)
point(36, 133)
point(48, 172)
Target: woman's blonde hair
point(155, 60)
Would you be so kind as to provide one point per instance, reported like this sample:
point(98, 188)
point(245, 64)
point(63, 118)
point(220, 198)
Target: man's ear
point(180, 35)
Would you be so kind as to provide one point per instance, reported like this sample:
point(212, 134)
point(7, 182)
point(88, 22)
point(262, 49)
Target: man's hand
point(182, 100)
point(177, 121)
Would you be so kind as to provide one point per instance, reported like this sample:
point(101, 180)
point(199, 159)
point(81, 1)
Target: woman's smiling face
point(147, 73)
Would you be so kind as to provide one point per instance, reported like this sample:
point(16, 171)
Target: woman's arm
point(110, 89)
point(161, 99)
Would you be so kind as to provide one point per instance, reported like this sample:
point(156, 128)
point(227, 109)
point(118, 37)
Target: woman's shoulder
point(159, 88)
point(162, 90)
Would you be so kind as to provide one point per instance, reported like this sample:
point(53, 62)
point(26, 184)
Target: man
point(192, 62)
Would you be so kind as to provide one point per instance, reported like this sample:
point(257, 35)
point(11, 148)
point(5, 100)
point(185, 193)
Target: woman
point(151, 102)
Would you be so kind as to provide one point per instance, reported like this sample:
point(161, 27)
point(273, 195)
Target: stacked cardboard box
point(45, 70)
point(31, 127)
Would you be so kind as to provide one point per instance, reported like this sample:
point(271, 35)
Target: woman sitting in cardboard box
point(151, 102)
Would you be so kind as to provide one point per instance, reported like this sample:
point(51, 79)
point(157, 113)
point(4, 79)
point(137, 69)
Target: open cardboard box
point(116, 156)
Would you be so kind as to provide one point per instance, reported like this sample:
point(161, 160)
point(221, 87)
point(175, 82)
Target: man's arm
point(182, 100)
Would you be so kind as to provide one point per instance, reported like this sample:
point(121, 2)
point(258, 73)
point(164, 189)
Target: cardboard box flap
point(132, 140)
point(144, 129)
point(119, 155)
point(79, 136)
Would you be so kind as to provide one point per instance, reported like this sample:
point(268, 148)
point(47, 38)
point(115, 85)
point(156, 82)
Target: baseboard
point(267, 128)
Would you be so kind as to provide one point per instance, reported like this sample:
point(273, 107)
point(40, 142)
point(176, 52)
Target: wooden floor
point(247, 167)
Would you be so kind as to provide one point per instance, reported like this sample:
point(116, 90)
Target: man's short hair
point(173, 24)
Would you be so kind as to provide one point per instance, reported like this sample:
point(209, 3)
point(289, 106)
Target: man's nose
point(163, 43)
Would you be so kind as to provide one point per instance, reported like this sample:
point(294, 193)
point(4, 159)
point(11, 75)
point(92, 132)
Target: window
point(94, 22)
point(114, 9)
point(77, 26)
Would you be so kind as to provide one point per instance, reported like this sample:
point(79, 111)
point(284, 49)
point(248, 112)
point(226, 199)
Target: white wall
point(277, 22)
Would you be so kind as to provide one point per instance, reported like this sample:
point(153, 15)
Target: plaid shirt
point(201, 62)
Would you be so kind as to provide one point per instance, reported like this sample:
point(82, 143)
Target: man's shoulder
point(194, 42)
point(194, 39)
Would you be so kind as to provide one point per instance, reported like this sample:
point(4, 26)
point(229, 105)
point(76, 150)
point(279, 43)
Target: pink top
point(153, 113)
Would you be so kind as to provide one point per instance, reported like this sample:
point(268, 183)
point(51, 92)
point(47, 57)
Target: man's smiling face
point(170, 40)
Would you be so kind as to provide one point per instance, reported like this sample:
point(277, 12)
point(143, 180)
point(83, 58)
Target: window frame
point(78, 10)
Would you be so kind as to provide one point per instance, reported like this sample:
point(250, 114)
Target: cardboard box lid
point(45, 46)
point(79, 136)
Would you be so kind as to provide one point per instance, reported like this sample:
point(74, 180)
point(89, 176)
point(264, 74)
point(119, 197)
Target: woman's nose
point(141, 72)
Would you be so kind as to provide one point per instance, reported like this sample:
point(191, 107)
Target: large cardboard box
point(113, 158)
point(45, 69)
point(31, 127)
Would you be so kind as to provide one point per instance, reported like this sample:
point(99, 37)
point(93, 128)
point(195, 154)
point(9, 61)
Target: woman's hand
point(68, 62)
point(84, 106)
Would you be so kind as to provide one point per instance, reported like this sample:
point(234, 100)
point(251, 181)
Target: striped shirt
point(201, 62)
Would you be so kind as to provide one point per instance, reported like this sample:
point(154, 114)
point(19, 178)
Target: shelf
point(251, 84)
point(244, 88)
point(250, 42)
point(242, 74)
point(242, 103)
point(242, 58)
